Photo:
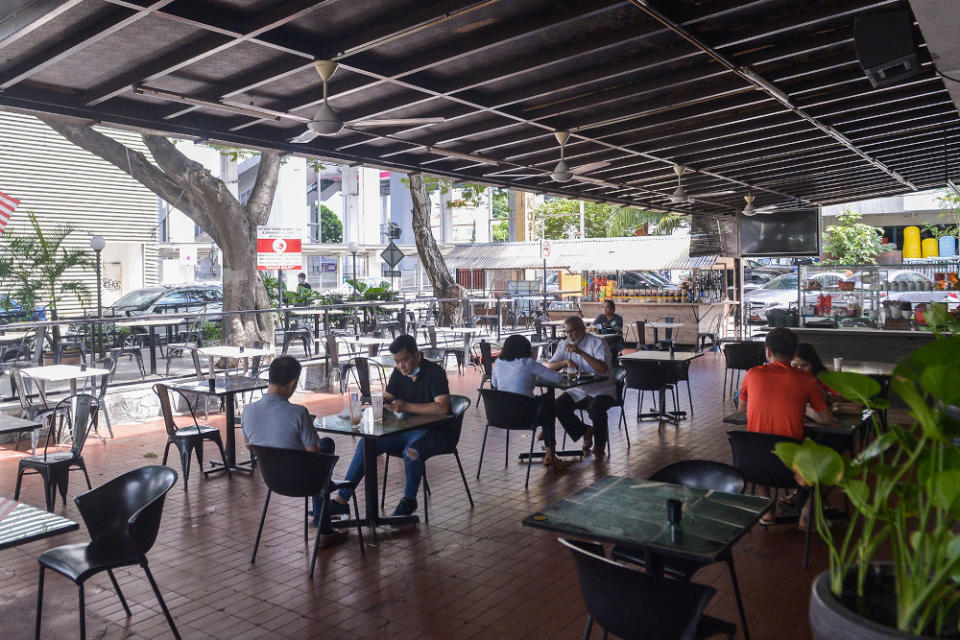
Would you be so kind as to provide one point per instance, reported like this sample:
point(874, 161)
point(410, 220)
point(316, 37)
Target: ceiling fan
point(326, 122)
point(562, 172)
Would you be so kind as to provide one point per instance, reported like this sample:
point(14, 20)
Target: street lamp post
point(353, 247)
point(97, 243)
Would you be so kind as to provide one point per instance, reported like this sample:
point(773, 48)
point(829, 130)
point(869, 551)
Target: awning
point(650, 253)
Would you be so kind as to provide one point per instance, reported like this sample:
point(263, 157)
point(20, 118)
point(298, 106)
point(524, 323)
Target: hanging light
point(749, 210)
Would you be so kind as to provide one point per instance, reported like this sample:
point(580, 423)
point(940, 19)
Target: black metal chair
point(486, 364)
point(679, 371)
point(29, 410)
point(98, 388)
point(510, 412)
point(123, 518)
point(647, 376)
point(667, 340)
point(636, 605)
point(713, 334)
point(188, 341)
point(740, 357)
point(129, 345)
point(458, 407)
point(753, 457)
point(641, 328)
point(300, 474)
point(54, 467)
point(359, 370)
point(698, 474)
point(186, 439)
point(620, 377)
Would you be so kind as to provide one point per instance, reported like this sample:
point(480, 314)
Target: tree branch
point(261, 197)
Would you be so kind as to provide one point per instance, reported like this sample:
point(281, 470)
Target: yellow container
point(931, 248)
point(911, 234)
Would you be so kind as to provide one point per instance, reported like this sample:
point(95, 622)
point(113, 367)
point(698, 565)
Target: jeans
point(416, 446)
point(325, 445)
point(596, 407)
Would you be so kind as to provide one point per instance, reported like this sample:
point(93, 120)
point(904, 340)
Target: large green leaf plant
point(904, 488)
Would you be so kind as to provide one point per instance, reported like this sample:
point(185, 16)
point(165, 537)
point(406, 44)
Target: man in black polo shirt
point(416, 386)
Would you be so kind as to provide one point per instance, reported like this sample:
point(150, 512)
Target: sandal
point(767, 522)
point(588, 439)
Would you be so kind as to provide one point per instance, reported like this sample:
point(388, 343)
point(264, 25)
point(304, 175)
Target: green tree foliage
point(562, 220)
point(501, 202)
point(331, 229)
point(501, 231)
point(852, 241)
point(38, 265)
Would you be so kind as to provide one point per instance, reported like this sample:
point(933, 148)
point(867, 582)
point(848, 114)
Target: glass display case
point(883, 296)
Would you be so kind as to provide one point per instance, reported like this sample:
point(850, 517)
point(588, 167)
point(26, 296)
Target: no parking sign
point(279, 248)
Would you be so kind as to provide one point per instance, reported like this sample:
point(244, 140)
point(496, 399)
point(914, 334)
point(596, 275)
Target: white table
point(228, 351)
point(14, 336)
point(59, 373)
point(656, 326)
point(151, 326)
point(372, 344)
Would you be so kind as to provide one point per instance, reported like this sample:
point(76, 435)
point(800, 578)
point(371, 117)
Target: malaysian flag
point(7, 206)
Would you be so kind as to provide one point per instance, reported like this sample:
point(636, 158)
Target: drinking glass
point(356, 408)
point(376, 404)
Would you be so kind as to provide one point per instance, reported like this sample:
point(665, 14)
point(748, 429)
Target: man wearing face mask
point(587, 354)
point(416, 386)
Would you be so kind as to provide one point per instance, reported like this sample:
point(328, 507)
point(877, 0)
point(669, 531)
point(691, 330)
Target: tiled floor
point(468, 574)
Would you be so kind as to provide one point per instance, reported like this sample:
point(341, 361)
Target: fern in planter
point(904, 488)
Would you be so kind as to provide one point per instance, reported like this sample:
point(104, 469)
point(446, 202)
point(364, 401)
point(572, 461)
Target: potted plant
point(894, 572)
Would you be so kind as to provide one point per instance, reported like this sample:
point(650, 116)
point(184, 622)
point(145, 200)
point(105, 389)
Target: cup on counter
point(838, 364)
point(376, 405)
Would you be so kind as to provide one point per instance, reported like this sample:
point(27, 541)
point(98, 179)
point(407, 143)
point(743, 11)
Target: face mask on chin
point(414, 373)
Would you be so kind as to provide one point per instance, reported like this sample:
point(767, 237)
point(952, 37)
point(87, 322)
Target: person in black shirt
point(416, 386)
point(302, 281)
point(609, 321)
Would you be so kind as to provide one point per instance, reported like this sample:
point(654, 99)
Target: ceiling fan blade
point(306, 136)
point(583, 168)
point(394, 122)
point(521, 175)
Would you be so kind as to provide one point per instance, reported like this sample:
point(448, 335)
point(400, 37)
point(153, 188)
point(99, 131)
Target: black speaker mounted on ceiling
point(886, 48)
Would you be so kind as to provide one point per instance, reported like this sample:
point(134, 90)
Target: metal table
point(369, 431)
point(11, 424)
point(59, 373)
point(551, 391)
point(151, 326)
point(633, 513)
point(662, 358)
point(20, 523)
point(227, 388)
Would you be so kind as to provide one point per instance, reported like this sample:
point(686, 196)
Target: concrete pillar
point(350, 185)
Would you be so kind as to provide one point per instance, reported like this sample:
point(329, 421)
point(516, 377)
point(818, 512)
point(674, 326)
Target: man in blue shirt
point(273, 421)
point(416, 386)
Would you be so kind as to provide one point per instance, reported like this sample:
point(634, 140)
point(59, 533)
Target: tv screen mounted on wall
point(785, 232)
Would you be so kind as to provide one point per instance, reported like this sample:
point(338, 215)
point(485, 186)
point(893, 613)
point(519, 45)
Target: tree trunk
point(444, 286)
point(206, 200)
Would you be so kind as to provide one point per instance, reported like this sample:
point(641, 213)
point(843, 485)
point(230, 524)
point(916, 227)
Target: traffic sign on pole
point(392, 255)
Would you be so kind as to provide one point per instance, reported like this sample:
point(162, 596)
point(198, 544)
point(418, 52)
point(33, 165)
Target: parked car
point(644, 280)
point(781, 293)
point(756, 274)
point(169, 299)
point(12, 311)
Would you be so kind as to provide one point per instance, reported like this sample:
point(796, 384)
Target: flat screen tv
point(785, 232)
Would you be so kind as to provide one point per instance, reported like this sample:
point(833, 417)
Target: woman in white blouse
point(517, 372)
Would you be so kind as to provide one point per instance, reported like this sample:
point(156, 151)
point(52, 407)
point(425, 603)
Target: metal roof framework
point(761, 96)
point(646, 253)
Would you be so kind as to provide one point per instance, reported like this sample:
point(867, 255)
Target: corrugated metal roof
point(596, 254)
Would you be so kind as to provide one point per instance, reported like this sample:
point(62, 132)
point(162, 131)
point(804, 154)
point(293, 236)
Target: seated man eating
point(416, 386)
point(274, 421)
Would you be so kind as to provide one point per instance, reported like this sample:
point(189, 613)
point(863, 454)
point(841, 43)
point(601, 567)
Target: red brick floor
point(468, 574)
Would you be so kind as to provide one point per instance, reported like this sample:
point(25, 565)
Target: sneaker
point(337, 509)
point(332, 538)
point(406, 507)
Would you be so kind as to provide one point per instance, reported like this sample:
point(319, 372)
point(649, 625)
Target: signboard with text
point(279, 248)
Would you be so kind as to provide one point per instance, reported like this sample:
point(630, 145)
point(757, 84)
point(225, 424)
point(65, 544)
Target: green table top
point(634, 513)
point(367, 428)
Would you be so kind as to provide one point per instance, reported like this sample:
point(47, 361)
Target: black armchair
point(510, 412)
point(123, 518)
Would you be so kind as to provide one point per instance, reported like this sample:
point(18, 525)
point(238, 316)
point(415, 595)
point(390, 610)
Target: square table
point(633, 513)
point(551, 391)
point(369, 431)
point(20, 523)
point(151, 326)
point(230, 351)
point(227, 388)
point(59, 373)
point(656, 326)
point(658, 358)
point(11, 424)
point(848, 427)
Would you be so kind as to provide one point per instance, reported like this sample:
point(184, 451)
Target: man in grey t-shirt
point(273, 421)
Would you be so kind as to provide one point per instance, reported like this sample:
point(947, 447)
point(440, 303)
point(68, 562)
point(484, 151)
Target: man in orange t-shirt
point(775, 395)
